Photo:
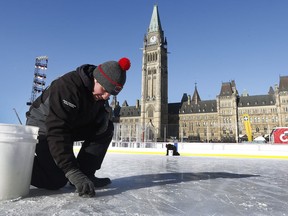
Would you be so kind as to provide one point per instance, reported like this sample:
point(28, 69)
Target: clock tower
point(154, 93)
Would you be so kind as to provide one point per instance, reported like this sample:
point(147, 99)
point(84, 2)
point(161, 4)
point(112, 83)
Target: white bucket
point(7, 137)
point(19, 130)
point(16, 160)
point(170, 152)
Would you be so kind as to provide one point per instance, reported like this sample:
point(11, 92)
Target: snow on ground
point(166, 185)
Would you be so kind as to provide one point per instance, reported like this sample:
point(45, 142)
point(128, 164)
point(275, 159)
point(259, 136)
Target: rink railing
point(250, 150)
point(263, 150)
point(154, 145)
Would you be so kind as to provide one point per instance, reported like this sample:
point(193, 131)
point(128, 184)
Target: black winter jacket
point(66, 109)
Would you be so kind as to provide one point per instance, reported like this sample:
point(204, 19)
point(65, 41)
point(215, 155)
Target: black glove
point(84, 186)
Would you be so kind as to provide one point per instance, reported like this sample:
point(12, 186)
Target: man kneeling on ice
point(75, 108)
point(173, 148)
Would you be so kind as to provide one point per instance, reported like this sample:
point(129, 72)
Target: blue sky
point(210, 42)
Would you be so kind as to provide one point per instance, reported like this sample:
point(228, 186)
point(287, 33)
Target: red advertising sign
point(280, 135)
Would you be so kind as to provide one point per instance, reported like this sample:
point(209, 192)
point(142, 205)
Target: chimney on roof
point(189, 99)
point(137, 104)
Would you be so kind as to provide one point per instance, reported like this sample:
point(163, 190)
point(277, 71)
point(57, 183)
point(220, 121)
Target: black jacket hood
point(86, 74)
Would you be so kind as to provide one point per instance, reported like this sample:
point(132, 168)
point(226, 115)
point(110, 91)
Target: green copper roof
point(155, 24)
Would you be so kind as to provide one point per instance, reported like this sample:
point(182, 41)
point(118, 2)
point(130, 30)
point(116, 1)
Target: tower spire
point(155, 24)
point(196, 98)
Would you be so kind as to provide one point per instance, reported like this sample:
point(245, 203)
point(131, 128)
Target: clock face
point(153, 39)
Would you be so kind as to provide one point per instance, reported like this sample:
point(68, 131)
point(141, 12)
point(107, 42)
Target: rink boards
point(242, 150)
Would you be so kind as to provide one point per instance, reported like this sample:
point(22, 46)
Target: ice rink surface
point(167, 185)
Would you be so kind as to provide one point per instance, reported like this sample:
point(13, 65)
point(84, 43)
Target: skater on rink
point(75, 108)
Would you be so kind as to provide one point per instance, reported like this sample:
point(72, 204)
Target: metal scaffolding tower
point(39, 77)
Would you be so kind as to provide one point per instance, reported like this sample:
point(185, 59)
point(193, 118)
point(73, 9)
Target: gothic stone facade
point(193, 119)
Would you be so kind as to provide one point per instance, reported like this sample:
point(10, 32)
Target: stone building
point(193, 119)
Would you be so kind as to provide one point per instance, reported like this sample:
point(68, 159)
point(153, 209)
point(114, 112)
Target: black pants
point(46, 174)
